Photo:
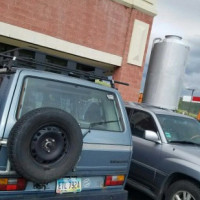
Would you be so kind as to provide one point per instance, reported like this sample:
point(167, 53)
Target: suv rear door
point(106, 151)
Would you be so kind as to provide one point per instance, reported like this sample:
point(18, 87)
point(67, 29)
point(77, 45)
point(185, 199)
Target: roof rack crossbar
point(12, 59)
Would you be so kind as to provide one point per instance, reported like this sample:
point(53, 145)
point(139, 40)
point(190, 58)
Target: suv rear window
point(86, 105)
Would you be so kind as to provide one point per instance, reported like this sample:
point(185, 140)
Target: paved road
point(136, 195)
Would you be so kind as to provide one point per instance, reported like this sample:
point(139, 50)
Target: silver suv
point(165, 162)
point(61, 137)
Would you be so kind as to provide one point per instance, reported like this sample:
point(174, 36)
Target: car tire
point(184, 189)
point(45, 144)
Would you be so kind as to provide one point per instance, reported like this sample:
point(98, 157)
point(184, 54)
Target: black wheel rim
point(49, 144)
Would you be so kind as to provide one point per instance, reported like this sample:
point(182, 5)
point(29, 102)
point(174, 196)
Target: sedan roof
point(154, 109)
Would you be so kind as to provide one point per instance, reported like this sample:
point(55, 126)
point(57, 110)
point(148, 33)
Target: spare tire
point(45, 144)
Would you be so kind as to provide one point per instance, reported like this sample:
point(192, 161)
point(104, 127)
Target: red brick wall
point(99, 24)
point(132, 74)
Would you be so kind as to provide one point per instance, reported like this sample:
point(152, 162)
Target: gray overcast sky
point(180, 17)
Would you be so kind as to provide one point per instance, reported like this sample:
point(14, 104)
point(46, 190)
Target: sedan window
point(141, 121)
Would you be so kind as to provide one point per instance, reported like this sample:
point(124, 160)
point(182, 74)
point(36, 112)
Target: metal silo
point(165, 73)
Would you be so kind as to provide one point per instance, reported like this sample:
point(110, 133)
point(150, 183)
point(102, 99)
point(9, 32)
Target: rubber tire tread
point(17, 153)
point(186, 185)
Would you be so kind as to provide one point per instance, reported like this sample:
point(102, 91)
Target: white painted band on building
point(47, 41)
point(146, 6)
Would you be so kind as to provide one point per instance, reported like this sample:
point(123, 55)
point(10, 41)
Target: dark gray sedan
point(166, 148)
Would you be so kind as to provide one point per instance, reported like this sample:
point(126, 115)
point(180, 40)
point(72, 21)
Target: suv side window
point(141, 121)
point(5, 83)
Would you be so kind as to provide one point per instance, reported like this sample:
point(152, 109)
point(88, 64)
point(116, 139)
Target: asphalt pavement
point(136, 195)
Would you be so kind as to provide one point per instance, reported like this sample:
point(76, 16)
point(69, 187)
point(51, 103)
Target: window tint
point(141, 121)
point(86, 105)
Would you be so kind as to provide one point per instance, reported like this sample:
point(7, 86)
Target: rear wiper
point(98, 123)
point(183, 142)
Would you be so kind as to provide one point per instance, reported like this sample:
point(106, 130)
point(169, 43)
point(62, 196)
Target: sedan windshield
point(180, 129)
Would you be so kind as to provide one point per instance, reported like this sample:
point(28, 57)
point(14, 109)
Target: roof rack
point(33, 59)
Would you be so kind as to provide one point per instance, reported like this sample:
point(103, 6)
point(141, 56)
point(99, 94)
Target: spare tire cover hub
point(49, 144)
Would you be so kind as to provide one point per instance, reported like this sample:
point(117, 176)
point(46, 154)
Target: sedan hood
point(186, 152)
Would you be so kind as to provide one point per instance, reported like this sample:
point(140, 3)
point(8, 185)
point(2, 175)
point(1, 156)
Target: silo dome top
point(173, 37)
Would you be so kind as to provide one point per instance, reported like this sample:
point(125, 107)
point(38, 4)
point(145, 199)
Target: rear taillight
point(10, 184)
point(114, 180)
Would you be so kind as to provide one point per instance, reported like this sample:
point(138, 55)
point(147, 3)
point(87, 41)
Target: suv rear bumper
point(97, 195)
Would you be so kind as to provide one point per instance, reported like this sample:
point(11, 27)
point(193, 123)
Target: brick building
point(112, 34)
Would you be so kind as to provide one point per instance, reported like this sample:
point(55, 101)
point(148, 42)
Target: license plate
point(65, 185)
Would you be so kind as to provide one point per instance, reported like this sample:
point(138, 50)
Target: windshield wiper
point(183, 142)
point(96, 124)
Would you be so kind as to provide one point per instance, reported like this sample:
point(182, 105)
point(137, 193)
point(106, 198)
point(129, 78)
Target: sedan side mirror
point(152, 136)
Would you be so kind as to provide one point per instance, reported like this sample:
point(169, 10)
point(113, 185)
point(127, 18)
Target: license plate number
point(65, 185)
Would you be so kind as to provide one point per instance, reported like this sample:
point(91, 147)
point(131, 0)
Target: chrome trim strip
point(122, 168)
point(106, 147)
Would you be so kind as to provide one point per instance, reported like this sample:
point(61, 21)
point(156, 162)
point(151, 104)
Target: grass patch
point(185, 112)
